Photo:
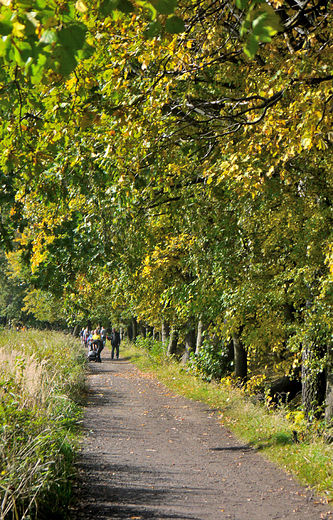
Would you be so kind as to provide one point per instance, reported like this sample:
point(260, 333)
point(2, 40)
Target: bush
point(155, 349)
point(210, 363)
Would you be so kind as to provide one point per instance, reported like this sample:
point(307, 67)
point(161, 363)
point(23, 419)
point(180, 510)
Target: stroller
point(95, 349)
point(92, 354)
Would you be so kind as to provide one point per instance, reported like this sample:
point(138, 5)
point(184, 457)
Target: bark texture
point(165, 331)
point(190, 341)
point(173, 341)
point(329, 386)
point(240, 356)
point(199, 336)
point(313, 384)
point(134, 328)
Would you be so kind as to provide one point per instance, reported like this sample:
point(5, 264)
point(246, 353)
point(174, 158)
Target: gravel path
point(148, 454)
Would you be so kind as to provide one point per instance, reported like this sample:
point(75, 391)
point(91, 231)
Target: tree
point(174, 163)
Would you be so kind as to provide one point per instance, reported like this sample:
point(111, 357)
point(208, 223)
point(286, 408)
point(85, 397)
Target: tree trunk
point(76, 331)
point(284, 389)
point(313, 385)
point(109, 329)
point(231, 352)
point(143, 330)
point(240, 357)
point(173, 341)
point(130, 332)
point(199, 336)
point(329, 385)
point(165, 331)
point(134, 328)
point(190, 341)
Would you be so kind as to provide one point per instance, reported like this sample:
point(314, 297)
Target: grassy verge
point(42, 380)
point(266, 429)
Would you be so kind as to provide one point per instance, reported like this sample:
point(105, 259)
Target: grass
point(265, 428)
point(42, 381)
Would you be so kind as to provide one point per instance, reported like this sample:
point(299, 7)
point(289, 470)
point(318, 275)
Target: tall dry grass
point(41, 381)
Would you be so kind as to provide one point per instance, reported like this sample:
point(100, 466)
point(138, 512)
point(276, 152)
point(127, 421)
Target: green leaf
point(154, 29)
point(174, 25)
point(5, 48)
point(5, 29)
point(273, 21)
point(166, 6)
point(86, 52)
point(64, 60)
point(25, 50)
point(241, 4)
point(68, 14)
point(251, 48)
point(262, 27)
point(40, 4)
point(72, 37)
point(125, 6)
point(149, 7)
point(107, 7)
point(6, 25)
point(30, 26)
point(49, 36)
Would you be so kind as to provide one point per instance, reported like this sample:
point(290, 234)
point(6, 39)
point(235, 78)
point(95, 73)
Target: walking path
point(149, 454)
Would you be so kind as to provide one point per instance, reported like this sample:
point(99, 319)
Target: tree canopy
point(171, 161)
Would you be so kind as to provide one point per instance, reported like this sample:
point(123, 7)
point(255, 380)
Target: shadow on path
point(148, 454)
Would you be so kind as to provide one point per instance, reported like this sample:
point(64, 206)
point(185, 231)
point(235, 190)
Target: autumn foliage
point(171, 162)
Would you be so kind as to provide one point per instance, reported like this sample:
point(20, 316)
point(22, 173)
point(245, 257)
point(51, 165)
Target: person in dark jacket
point(115, 342)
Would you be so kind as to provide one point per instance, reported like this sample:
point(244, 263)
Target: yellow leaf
point(81, 6)
point(71, 83)
point(306, 142)
point(50, 22)
point(270, 171)
point(322, 145)
point(18, 29)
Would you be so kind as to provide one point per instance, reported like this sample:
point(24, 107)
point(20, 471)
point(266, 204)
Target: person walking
point(103, 335)
point(115, 342)
point(98, 343)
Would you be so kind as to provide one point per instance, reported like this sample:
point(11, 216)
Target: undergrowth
point(302, 448)
point(42, 381)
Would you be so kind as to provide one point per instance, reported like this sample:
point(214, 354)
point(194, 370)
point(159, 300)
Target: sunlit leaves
point(194, 169)
point(55, 38)
point(263, 23)
point(81, 6)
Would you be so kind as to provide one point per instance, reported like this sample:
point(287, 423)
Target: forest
point(167, 166)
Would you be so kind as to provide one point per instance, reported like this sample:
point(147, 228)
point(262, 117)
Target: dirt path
point(149, 454)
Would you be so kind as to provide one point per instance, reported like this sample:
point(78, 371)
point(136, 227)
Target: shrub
point(210, 363)
point(155, 349)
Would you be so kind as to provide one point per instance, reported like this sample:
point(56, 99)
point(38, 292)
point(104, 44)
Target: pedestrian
point(115, 342)
point(86, 336)
point(103, 335)
point(82, 336)
point(98, 343)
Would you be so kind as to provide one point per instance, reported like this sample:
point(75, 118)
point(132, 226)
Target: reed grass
point(42, 381)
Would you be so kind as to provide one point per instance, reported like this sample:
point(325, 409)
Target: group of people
point(95, 341)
